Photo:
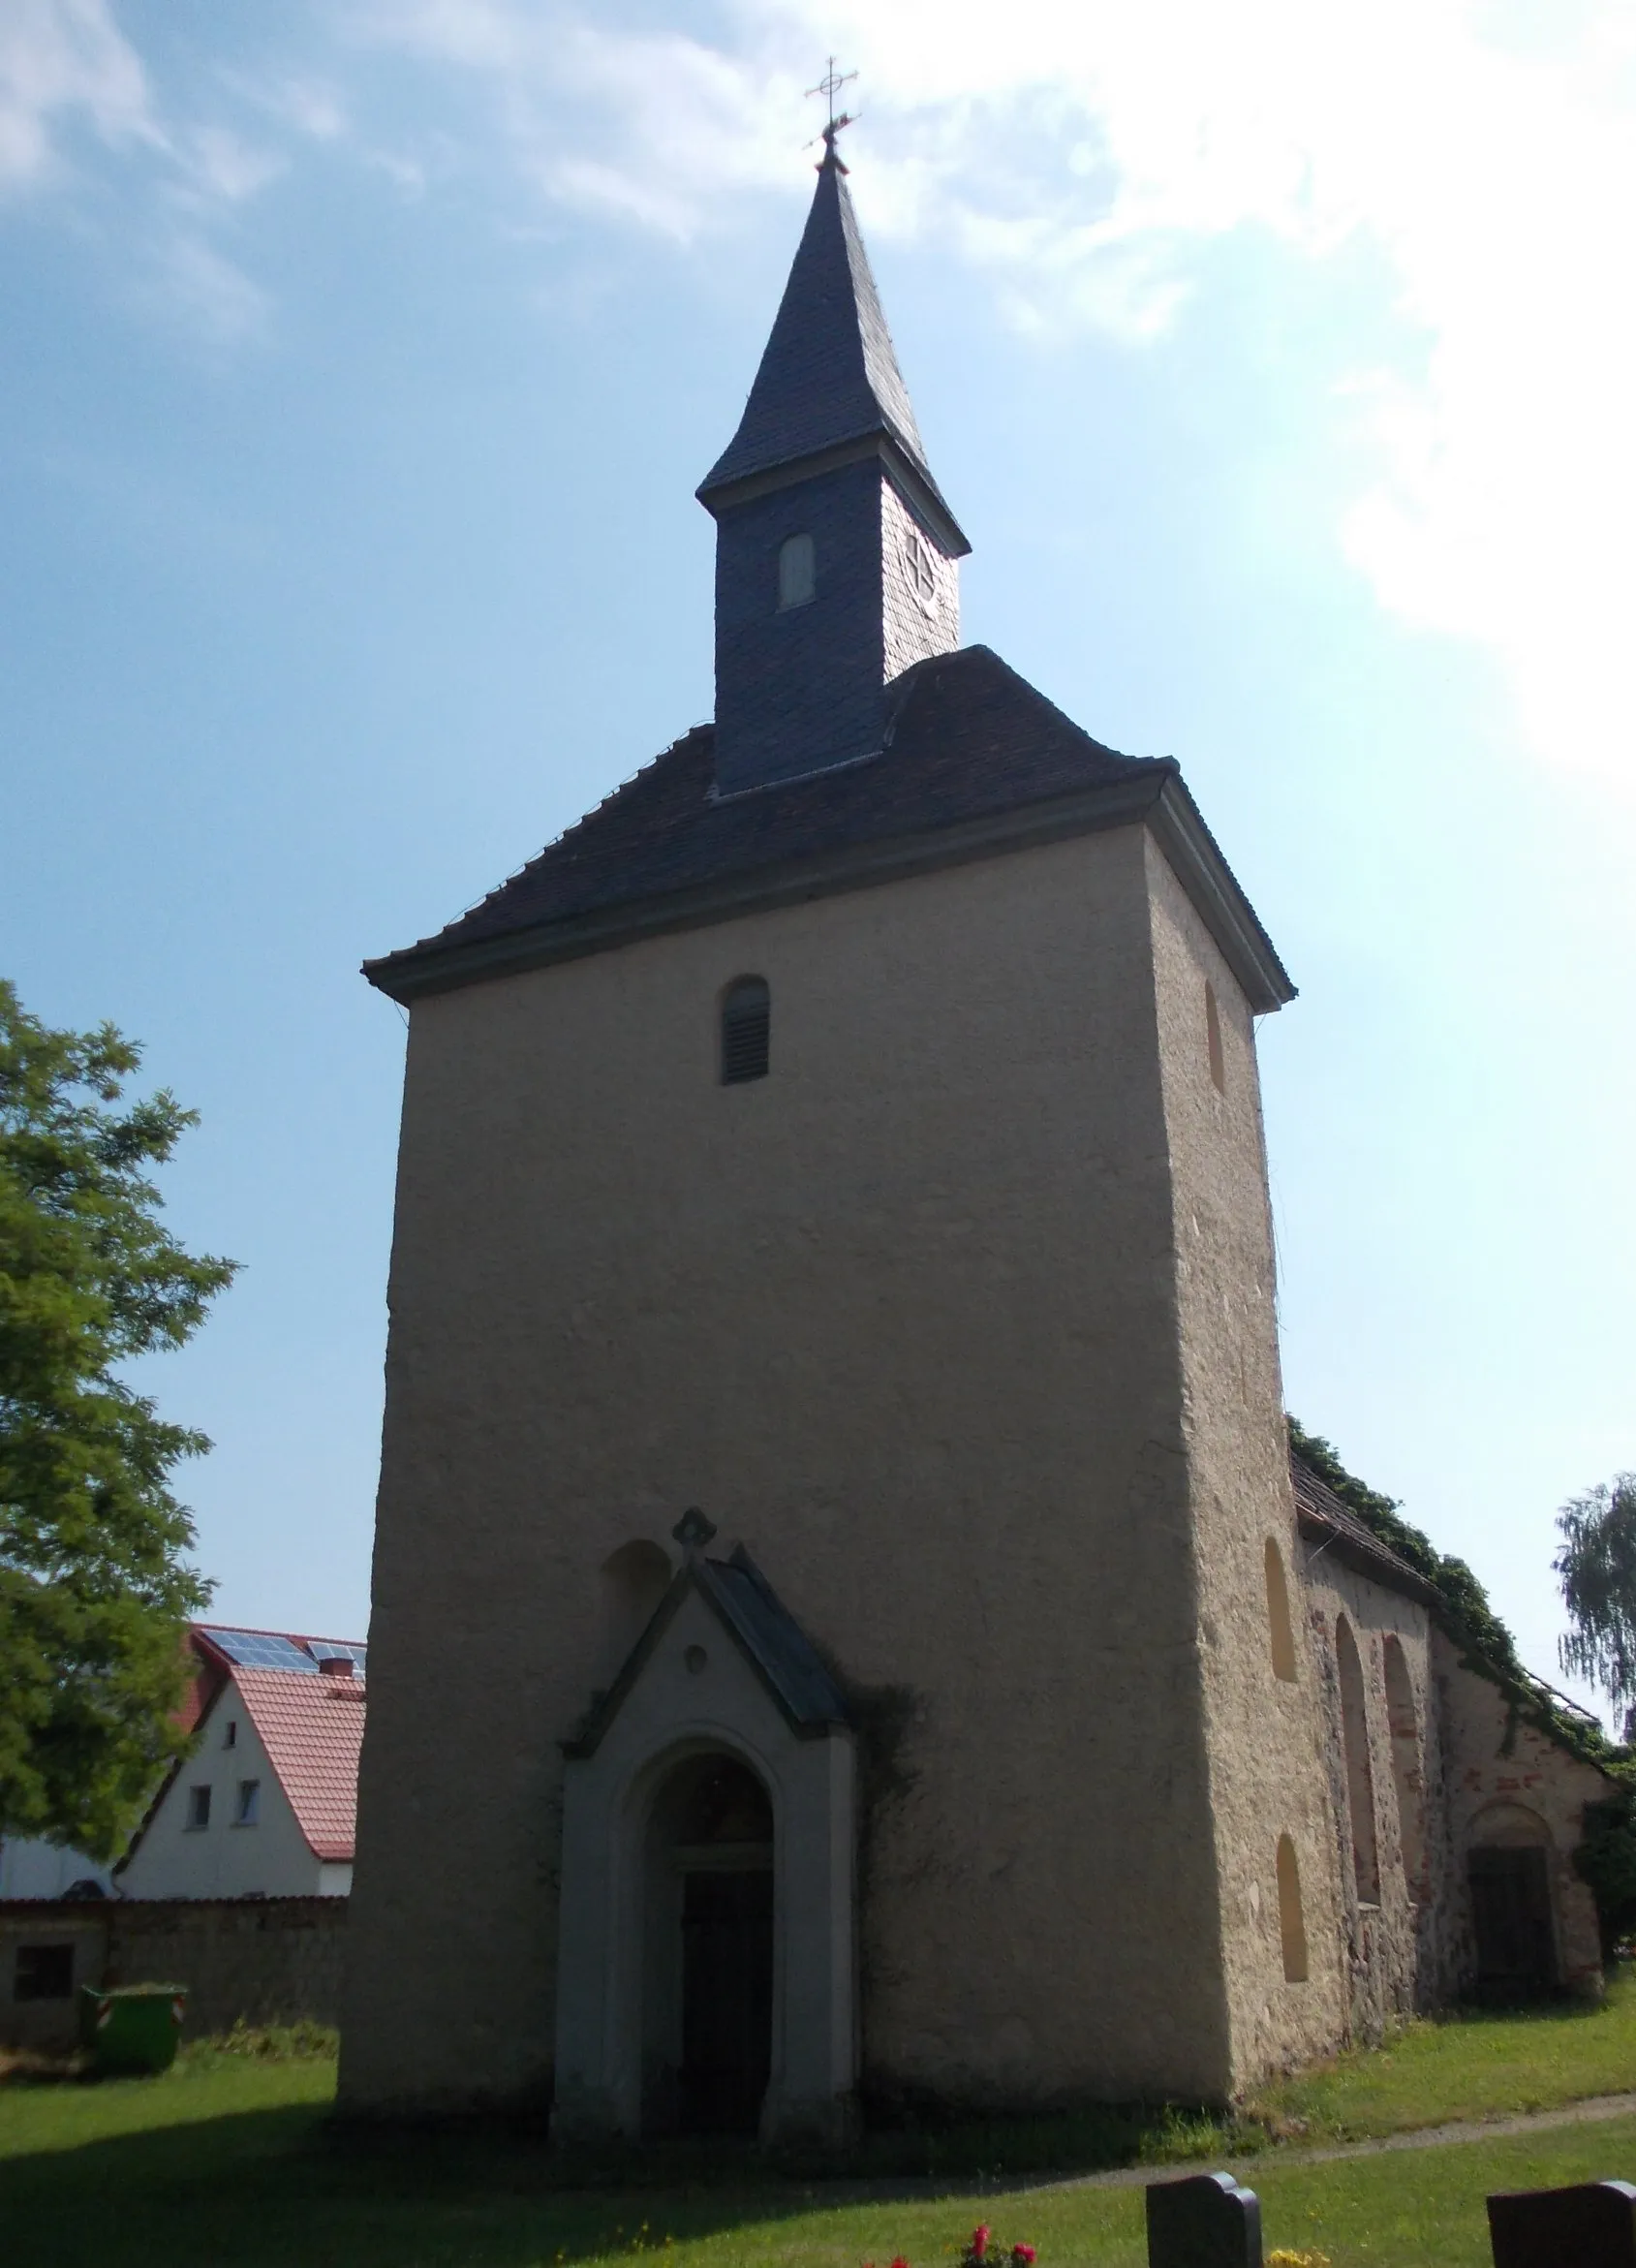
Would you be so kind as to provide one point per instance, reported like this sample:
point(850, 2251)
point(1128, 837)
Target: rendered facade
point(853, 1129)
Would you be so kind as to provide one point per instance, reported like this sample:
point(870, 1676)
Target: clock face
point(919, 571)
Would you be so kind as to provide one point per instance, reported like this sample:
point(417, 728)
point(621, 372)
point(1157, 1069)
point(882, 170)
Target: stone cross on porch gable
point(1591, 2225)
point(1207, 2222)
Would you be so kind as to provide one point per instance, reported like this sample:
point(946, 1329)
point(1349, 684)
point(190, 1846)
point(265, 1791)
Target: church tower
point(836, 556)
point(834, 1477)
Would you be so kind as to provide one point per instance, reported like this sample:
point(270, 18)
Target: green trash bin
point(130, 2028)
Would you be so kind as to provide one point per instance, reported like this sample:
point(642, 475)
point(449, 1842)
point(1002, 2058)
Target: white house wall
point(271, 1859)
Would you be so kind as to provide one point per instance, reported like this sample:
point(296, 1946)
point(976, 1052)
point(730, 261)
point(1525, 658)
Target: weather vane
point(829, 86)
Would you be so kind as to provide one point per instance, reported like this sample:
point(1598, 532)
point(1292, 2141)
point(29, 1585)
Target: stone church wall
point(1266, 1780)
point(1476, 1776)
point(1507, 1784)
point(902, 1318)
point(1391, 1931)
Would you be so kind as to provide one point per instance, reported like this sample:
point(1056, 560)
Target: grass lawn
point(229, 2162)
point(233, 2168)
point(1464, 2065)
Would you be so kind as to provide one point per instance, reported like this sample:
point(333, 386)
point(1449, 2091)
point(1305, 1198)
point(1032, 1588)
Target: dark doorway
point(1511, 1912)
point(708, 2026)
point(726, 1998)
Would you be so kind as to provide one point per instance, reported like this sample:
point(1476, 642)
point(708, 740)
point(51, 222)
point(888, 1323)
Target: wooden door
point(1511, 1912)
point(726, 1998)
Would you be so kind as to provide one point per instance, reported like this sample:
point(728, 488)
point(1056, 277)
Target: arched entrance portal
point(705, 1941)
point(708, 2004)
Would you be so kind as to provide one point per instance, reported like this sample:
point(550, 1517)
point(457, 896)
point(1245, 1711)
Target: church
point(834, 1440)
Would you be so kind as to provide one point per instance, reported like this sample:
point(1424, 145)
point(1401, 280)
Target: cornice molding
point(1157, 798)
point(906, 476)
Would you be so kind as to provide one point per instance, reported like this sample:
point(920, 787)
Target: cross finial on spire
point(829, 86)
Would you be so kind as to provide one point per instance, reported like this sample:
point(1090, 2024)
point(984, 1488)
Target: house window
point(44, 1972)
point(747, 1012)
point(229, 1738)
point(249, 1803)
point(1212, 1039)
point(199, 1807)
point(797, 572)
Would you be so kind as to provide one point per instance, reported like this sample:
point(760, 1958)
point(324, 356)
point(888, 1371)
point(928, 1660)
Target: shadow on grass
point(901, 2150)
point(269, 2188)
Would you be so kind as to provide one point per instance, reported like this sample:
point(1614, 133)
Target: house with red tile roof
point(264, 1803)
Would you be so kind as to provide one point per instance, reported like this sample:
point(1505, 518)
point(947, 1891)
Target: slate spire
point(836, 555)
point(829, 379)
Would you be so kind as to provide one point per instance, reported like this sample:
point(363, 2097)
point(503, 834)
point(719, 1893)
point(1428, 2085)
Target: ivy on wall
point(1486, 1645)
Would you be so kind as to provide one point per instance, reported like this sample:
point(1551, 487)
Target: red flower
point(1023, 2255)
point(979, 2242)
point(899, 2261)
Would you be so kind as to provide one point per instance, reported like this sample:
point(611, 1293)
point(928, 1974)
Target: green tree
point(95, 1591)
point(1597, 1568)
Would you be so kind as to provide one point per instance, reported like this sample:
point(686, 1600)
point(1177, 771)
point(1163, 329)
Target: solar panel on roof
point(260, 1650)
point(336, 1650)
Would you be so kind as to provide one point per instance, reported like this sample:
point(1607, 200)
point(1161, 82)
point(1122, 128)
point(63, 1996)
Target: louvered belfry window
point(747, 1009)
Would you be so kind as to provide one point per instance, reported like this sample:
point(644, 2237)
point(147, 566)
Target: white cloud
point(1085, 155)
point(67, 61)
point(218, 301)
point(312, 106)
point(221, 167)
point(61, 59)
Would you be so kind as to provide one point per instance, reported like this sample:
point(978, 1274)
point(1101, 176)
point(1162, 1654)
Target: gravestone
point(1205, 2222)
point(1590, 2226)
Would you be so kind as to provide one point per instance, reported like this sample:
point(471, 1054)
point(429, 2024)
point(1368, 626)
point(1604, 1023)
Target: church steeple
point(835, 549)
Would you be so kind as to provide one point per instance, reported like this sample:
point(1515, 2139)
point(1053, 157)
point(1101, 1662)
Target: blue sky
point(359, 360)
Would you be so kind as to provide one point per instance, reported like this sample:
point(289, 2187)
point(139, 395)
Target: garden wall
point(268, 1960)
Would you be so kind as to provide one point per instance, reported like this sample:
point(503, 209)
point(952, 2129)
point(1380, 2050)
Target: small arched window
point(1277, 1615)
point(747, 1017)
point(1360, 1778)
point(1213, 1040)
point(797, 572)
point(1292, 1928)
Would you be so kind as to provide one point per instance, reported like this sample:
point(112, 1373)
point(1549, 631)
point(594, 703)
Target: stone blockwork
point(264, 1960)
point(1389, 1931)
point(1425, 1763)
